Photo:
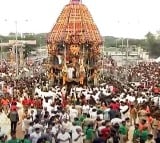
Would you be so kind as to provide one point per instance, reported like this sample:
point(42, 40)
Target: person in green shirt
point(14, 138)
point(77, 121)
point(123, 131)
point(89, 133)
point(144, 135)
point(26, 139)
point(136, 134)
point(82, 117)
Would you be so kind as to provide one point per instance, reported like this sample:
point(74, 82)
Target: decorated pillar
point(95, 77)
point(21, 56)
point(12, 55)
point(64, 74)
point(51, 77)
point(81, 72)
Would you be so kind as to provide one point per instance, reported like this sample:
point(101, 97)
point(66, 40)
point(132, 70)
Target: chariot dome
point(74, 43)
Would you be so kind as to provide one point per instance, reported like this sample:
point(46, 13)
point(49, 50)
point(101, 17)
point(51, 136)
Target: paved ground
point(5, 125)
point(20, 133)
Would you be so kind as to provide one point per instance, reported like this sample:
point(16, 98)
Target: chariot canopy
point(74, 44)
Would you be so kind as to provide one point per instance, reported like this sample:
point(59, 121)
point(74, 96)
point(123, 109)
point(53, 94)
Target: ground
point(5, 125)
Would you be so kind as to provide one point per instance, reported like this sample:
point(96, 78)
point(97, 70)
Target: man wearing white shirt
point(77, 137)
point(116, 120)
point(85, 108)
point(63, 137)
point(70, 72)
point(123, 109)
point(65, 115)
point(38, 91)
point(93, 114)
point(106, 114)
point(66, 124)
point(74, 127)
point(54, 129)
point(30, 129)
point(35, 135)
point(33, 114)
point(73, 113)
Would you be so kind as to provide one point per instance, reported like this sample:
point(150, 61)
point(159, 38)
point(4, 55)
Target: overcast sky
point(122, 18)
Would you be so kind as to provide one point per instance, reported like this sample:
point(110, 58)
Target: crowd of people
point(112, 112)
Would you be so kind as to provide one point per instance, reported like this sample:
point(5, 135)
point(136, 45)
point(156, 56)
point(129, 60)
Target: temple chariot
point(74, 46)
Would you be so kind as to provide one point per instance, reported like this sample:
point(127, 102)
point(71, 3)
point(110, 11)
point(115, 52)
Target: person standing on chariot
point(64, 74)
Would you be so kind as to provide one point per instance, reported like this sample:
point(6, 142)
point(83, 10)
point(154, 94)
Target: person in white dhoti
point(59, 59)
point(70, 72)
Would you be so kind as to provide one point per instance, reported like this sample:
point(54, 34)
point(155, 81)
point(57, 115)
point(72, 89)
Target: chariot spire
point(75, 1)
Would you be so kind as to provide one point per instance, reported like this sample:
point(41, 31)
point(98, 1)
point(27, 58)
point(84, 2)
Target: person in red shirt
point(156, 90)
point(14, 101)
point(39, 105)
point(25, 103)
point(5, 104)
point(115, 90)
point(117, 104)
point(64, 101)
point(32, 101)
point(105, 132)
point(114, 105)
point(13, 107)
point(13, 104)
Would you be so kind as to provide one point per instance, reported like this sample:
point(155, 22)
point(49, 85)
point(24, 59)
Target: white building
point(123, 57)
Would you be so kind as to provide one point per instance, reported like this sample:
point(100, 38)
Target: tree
point(153, 45)
point(150, 38)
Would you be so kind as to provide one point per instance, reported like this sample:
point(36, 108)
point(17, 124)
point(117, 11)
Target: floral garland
point(74, 49)
point(64, 70)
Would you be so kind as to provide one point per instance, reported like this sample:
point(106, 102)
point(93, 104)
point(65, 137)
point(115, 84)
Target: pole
point(122, 43)
point(127, 60)
point(103, 62)
point(16, 51)
point(65, 54)
point(122, 50)
point(1, 52)
point(1, 56)
point(127, 51)
point(88, 70)
point(116, 43)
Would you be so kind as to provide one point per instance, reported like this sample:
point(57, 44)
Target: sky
point(120, 18)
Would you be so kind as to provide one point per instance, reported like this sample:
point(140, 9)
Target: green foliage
point(40, 41)
point(109, 41)
point(5, 39)
point(28, 48)
point(150, 43)
point(153, 44)
point(117, 42)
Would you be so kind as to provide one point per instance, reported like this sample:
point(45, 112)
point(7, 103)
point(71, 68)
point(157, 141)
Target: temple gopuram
point(74, 45)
